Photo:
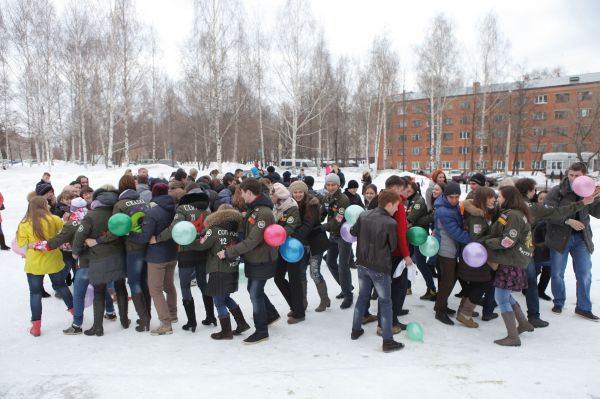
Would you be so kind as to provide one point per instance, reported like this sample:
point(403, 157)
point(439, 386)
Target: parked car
point(463, 178)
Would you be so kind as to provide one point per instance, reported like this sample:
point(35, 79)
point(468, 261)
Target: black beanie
point(310, 181)
point(43, 189)
point(452, 188)
point(478, 178)
point(352, 184)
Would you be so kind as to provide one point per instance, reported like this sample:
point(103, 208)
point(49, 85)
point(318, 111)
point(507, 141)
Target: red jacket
point(400, 216)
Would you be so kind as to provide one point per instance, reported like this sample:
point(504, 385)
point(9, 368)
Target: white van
point(300, 163)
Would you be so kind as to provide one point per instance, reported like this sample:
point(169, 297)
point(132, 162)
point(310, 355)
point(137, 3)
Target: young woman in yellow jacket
point(39, 225)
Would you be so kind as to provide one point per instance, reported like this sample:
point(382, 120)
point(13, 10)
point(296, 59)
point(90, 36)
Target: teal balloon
point(352, 213)
point(292, 250)
point(184, 233)
point(430, 247)
point(119, 224)
point(417, 236)
point(414, 331)
point(242, 272)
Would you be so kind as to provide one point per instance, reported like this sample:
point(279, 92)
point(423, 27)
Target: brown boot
point(512, 339)
point(524, 324)
point(225, 332)
point(325, 301)
point(240, 321)
point(465, 313)
point(164, 329)
point(142, 311)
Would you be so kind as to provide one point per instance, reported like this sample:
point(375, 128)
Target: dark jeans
point(340, 271)
point(222, 303)
point(262, 308)
point(421, 262)
point(367, 279)
point(292, 291)
point(531, 292)
point(80, 287)
point(475, 290)
point(399, 287)
point(137, 272)
point(36, 287)
point(446, 282)
point(187, 274)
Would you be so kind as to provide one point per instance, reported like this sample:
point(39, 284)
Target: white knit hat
point(332, 178)
point(280, 191)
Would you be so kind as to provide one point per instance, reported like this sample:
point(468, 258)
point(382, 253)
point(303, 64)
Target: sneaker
point(389, 345)
point(356, 334)
point(73, 330)
point(256, 338)
point(557, 309)
point(536, 322)
point(369, 318)
point(110, 316)
point(443, 317)
point(586, 315)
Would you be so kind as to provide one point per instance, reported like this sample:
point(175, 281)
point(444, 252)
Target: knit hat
point(77, 203)
point(332, 178)
point(452, 188)
point(280, 191)
point(478, 178)
point(299, 186)
point(352, 184)
point(43, 189)
point(159, 189)
point(310, 181)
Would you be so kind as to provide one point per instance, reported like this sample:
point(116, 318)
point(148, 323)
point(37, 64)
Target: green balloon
point(430, 247)
point(414, 331)
point(352, 213)
point(417, 236)
point(119, 224)
point(184, 233)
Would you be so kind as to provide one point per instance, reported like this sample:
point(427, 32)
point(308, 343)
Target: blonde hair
point(37, 214)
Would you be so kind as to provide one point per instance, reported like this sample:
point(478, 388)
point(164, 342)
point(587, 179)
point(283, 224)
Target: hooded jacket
point(311, 232)
point(510, 241)
point(354, 199)
point(449, 227)
point(156, 219)
point(377, 238)
point(287, 215)
point(416, 211)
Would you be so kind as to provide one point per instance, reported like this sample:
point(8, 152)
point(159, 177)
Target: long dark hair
point(38, 215)
point(480, 200)
point(514, 200)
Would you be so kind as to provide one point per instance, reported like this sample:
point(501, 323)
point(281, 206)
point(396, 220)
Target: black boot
point(242, 325)
point(123, 305)
point(3, 246)
point(209, 307)
point(142, 311)
point(543, 284)
point(225, 332)
point(147, 302)
point(97, 328)
point(190, 311)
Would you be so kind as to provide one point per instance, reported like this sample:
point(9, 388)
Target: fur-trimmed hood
point(224, 218)
point(472, 209)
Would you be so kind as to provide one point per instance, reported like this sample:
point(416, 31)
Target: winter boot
point(325, 301)
point(123, 305)
point(3, 246)
point(347, 302)
point(164, 329)
point(225, 332)
point(240, 321)
point(512, 338)
point(209, 307)
point(147, 302)
point(36, 328)
point(389, 345)
point(256, 338)
point(97, 328)
point(524, 325)
point(465, 313)
point(142, 311)
point(190, 311)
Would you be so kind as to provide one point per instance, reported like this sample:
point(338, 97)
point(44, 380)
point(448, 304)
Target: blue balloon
point(292, 250)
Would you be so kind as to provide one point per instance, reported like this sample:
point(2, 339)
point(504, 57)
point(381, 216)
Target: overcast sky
point(542, 33)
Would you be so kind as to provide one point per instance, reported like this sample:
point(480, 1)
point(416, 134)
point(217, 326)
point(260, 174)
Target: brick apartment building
point(543, 116)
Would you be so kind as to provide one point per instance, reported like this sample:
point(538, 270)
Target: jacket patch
point(208, 233)
point(339, 218)
point(261, 224)
point(502, 220)
point(507, 242)
point(513, 233)
point(290, 219)
point(80, 229)
point(477, 228)
point(417, 206)
point(251, 220)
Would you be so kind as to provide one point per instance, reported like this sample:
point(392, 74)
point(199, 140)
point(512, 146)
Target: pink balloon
point(475, 255)
point(584, 186)
point(21, 251)
point(275, 235)
point(345, 233)
point(89, 296)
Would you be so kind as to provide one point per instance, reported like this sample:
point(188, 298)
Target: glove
point(42, 246)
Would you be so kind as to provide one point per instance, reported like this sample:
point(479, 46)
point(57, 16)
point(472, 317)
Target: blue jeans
point(36, 287)
point(421, 262)
point(531, 292)
point(222, 303)
point(367, 279)
point(187, 274)
point(262, 308)
point(582, 265)
point(79, 290)
point(340, 271)
point(137, 274)
point(505, 300)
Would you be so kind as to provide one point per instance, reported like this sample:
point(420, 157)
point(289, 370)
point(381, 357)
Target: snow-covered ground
point(313, 359)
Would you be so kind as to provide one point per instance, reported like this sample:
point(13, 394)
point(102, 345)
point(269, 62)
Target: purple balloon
point(475, 255)
point(345, 233)
point(89, 296)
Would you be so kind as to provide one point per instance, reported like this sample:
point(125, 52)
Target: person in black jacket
point(352, 194)
point(272, 175)
point(377, 238)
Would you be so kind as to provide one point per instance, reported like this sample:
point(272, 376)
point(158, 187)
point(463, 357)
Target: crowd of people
point(526, 232)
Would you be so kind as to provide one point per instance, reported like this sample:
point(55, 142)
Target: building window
point(465, 120)
point(464, 135)
point(448, 150)
point(400, 151)
point(416, 137)
point(519, 148)
point(388, 151)
point(499, 165)
point(541, 99)
point(584, 95)
point(416, 123)
point(562, 147)
point(584, 112)
point(416, 151)
point(499, 149)
point(446, 164)
point(448, 121)
point(402, 138)
point(562, 97)
point(538, 164)
point(416, 109)
point(560, 131)
point(540, 116)
point(447, 136)
point(401, 110)
point(519, 164)
point(465, 105)
point(538, 148)
point(463, 150)
point(463, 164)
point(539, 131)
point(561, 114)
point(480, 165)
point(402, 124)
point(416, 165)
point(401, 165)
